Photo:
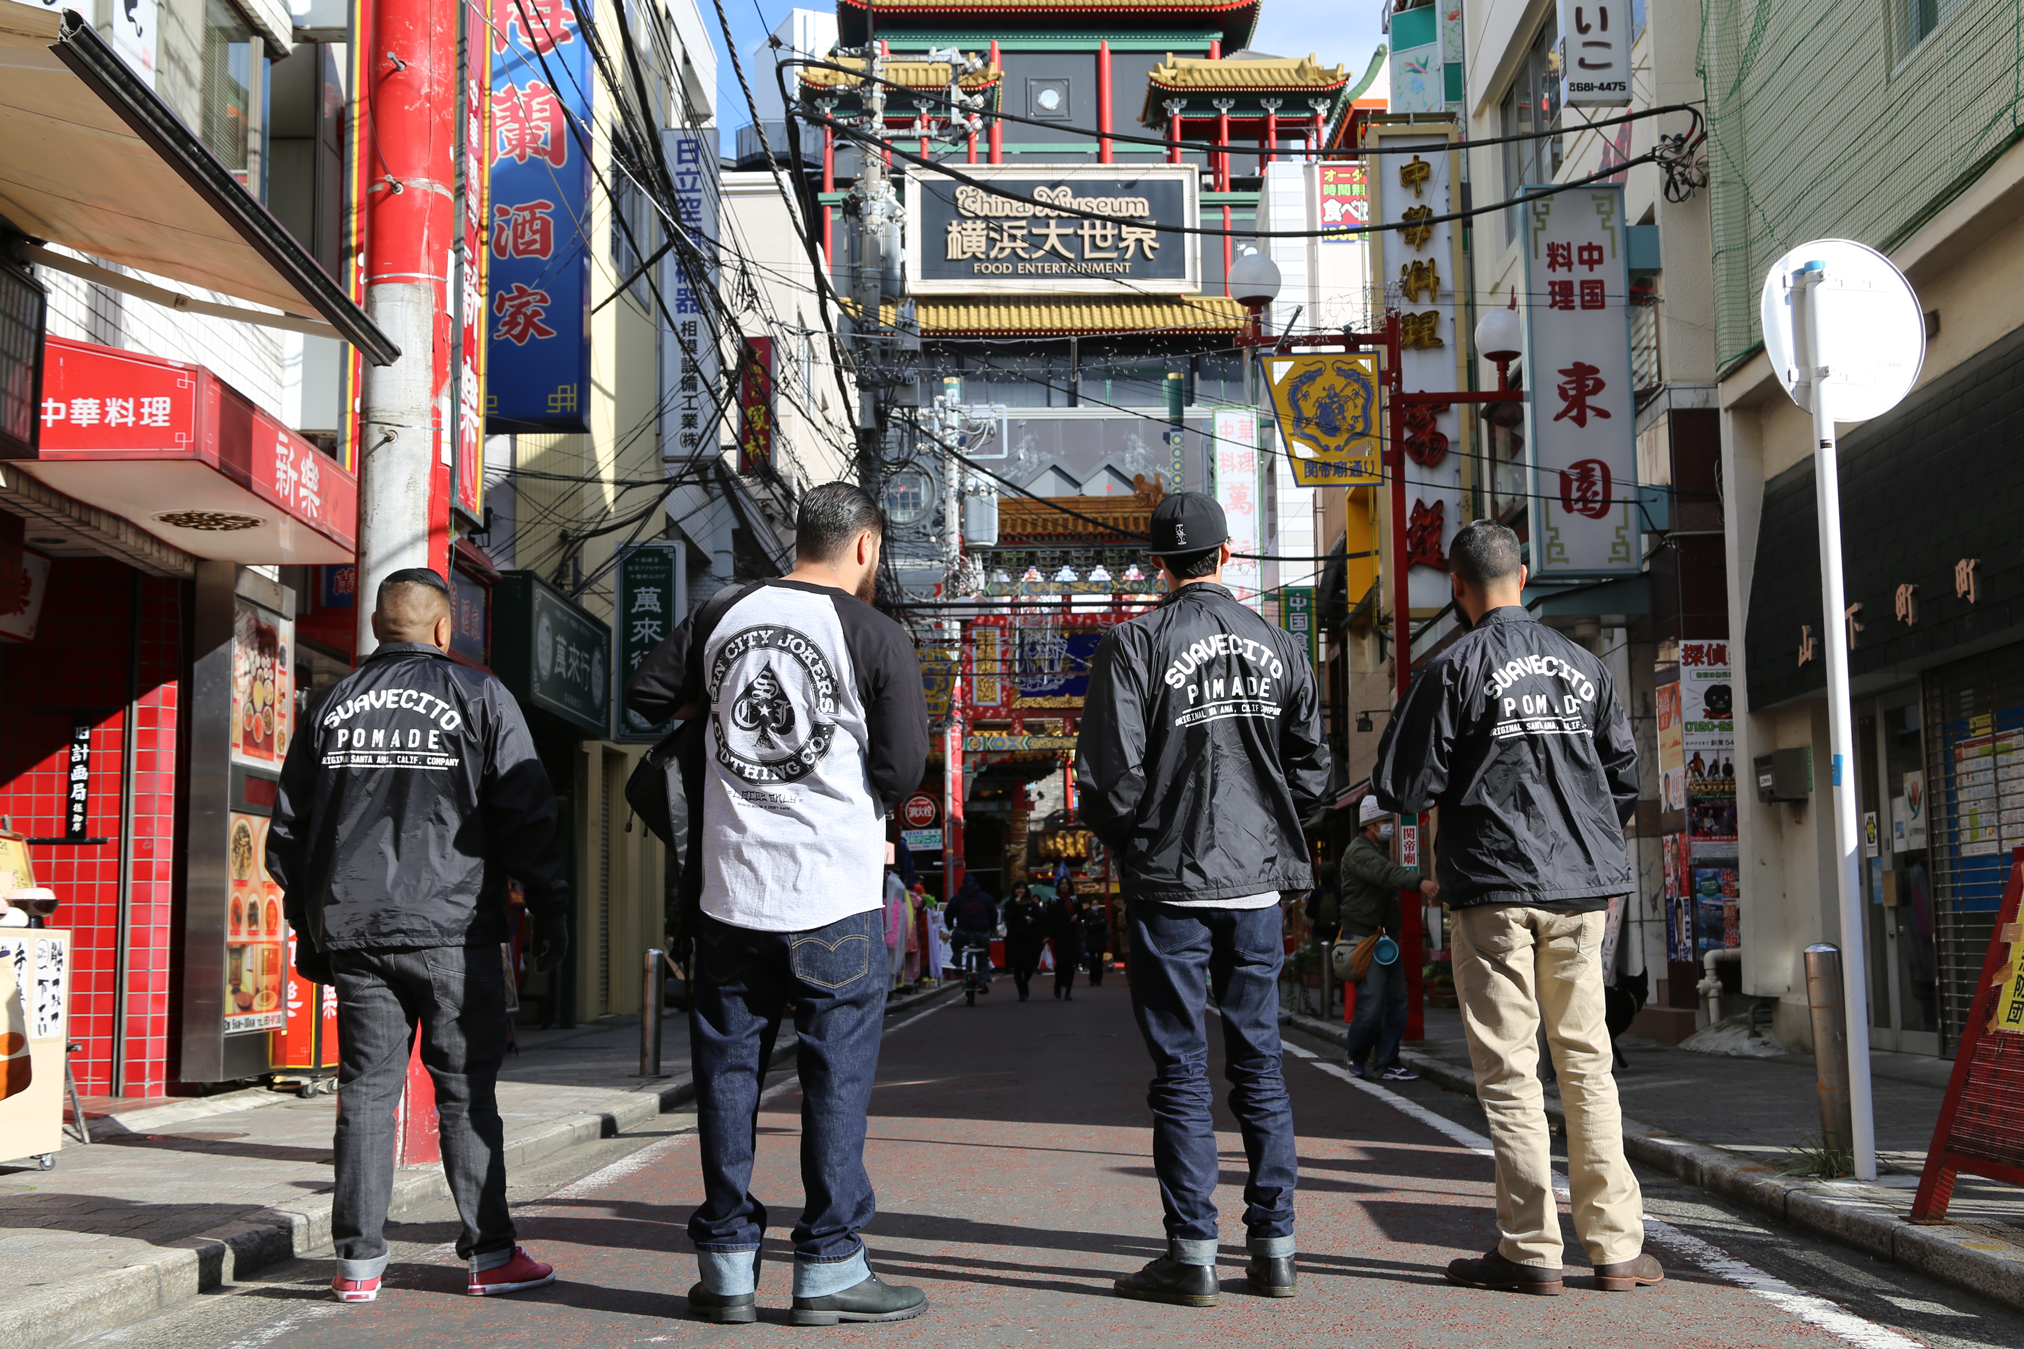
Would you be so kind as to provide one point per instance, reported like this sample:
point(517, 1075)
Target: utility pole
point(407, 113)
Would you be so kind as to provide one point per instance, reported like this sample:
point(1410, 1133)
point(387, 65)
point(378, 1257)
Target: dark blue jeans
point(1380, 1016)
point(836, 977)
point(1178, 956)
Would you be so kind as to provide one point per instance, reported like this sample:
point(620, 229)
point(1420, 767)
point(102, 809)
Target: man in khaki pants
point(1517, 734)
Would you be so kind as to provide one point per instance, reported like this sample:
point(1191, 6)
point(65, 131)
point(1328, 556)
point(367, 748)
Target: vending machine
point(245, 1013)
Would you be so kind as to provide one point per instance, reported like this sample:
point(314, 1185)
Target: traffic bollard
point(651, 997)
point(1830, 1046)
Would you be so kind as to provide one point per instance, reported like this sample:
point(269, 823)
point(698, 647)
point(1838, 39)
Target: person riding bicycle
point(973, 920)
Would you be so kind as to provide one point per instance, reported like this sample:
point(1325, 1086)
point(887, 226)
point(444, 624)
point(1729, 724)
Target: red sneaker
point(354, 1290)
point(522, 1272)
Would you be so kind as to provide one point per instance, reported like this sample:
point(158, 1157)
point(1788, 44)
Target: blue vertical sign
point(538, 297)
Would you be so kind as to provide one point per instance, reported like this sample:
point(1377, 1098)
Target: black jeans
point(836, 978)
point(1180, 955)
point(1066, 958)
point(1024, 958)
point(457, 996)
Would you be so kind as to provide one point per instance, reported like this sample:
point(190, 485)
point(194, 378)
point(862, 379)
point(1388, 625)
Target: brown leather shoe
point(1492, 1270)
point(1628, 1274)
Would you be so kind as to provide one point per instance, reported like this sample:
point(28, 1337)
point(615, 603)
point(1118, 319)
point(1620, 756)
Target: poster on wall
point(1708, 743)
point(1671, 740)
point(262, 720)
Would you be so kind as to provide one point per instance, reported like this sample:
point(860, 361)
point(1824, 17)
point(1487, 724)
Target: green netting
point(1825, 120)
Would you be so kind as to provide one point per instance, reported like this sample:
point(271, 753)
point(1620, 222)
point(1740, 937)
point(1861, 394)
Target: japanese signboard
point(470, 618)
point(21, 612)
point(690, 364)
point(1345, 201)
point(261, 724)
point(538, 347)
point(1299, 614)
point(1580, 430)
point(552, 654)
point(77, 805)
point(1421, 268)
point(131, 33)
point(1327, 410)
point(1708, 745)
point(647, 604)
point(1236, 448)
point(466, 421)
point(1595, 40)
point(755, 405)
point(964, 239)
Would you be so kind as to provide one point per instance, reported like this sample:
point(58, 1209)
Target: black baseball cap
point(422, 576)
point(1187, 522)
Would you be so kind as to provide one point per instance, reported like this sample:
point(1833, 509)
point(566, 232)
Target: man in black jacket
point(817, 726)
point(410, 796)
point(1200, 750)
point(1518, 734)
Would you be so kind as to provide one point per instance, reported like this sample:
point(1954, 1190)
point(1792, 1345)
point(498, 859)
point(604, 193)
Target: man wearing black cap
point(1200, 750)
point(408, 799)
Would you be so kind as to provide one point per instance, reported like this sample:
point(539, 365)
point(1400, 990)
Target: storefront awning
point(92, 159)
point(188, 458)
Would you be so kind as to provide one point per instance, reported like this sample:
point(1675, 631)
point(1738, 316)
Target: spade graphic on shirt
point(764, 708)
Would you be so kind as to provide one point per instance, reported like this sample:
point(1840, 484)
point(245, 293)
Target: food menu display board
point(1988, 783)
point(263, 707)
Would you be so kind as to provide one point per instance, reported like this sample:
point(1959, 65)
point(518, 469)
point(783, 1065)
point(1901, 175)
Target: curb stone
point(1954, 1253)
point(156, 1279)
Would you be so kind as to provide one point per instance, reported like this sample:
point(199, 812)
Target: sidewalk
point(1733, 1126)
point(176, 1198)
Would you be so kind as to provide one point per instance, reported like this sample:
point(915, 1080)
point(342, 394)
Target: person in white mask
point(1371, 883)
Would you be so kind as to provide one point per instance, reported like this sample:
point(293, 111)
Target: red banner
point(755, 405)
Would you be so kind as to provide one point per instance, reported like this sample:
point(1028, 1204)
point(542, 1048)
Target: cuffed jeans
point(1380, 1017)
point(457, 996)
point(1179, 954)
point(836, 977)
point(1513, 965)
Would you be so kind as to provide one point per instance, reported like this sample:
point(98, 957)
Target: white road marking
point(919, 1016)
point(275, 1329)
point(1807, 1307)
point(1296, 1051)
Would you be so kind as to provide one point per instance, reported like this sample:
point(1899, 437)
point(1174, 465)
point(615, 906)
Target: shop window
point(229, 117)
point(1531, 104)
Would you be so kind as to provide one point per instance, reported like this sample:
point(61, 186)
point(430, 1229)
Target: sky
point(1335, 31)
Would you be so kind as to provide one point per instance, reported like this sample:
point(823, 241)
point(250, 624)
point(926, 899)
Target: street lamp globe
point(1499, 335)
point(1254, 280)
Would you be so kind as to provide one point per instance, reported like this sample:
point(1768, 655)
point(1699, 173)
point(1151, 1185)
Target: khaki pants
point(1513, 965)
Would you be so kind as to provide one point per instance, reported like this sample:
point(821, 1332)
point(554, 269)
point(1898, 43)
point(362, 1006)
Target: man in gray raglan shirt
point(818, 729)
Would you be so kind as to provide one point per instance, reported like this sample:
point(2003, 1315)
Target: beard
point(867, 589)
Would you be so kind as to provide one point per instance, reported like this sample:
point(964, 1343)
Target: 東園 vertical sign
point(538, 312)
point(1581, 418)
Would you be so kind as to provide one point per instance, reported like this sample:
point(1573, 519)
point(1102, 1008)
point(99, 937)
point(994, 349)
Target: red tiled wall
point(79, 660)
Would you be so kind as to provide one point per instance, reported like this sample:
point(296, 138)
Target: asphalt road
point(1011, 1150)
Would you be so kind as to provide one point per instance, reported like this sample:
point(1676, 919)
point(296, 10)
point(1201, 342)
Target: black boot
point(1270, 1275)
point(1167, 1280)
point(1492, 1270)
point(867, 1301)
point(737, 1309)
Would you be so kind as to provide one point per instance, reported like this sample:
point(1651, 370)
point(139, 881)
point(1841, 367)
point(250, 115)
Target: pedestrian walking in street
point(1025, 933)
point(1370, 885)
point(819, 728)
point(1064, 930)
point(972, 917)
point(411, 796)
point(1518, 734)
point(1200, 751)
point(1096, 939)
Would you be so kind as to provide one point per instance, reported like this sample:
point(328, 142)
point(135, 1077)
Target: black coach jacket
point(1201, 749)
point(1517, 734)
point(410, 794)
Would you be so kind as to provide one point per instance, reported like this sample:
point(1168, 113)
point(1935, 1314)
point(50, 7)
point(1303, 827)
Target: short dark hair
point(1193, 566)
point(411, 600)
point(831, 516)
point(1484, 551)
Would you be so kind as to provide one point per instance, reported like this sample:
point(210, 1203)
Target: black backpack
point(665, 790)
